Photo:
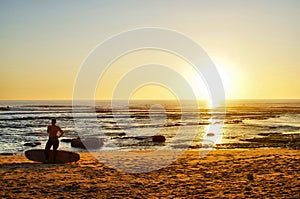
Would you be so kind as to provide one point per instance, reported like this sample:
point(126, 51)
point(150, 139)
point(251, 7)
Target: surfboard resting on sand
point(62, 156)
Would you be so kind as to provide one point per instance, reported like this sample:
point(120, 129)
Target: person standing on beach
point(53, 130)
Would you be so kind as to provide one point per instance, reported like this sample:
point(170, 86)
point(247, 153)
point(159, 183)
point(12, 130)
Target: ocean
point(123, 126)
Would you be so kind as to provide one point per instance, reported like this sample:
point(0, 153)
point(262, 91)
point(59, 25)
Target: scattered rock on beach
point(158, 138)
point(6, 154)
point(122, 134)
point(269, 134)
point(250, 176)
point(87, 143)
point(210, 134)
point(235, 121)
point(28, 144)
point(32, 144)
point(66, 140)
point(77, 143)
point(4, 108)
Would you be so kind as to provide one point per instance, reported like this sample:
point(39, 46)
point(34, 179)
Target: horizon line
point(147, 99)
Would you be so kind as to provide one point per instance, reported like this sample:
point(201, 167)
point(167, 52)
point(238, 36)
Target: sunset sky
point(254, 44)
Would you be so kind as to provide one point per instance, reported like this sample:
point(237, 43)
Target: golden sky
point(254, 44)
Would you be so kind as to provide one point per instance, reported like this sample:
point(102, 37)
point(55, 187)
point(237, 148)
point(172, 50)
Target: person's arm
point(61, 132)
point(48, 130)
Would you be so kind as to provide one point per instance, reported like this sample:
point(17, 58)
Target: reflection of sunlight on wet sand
point(216, 105)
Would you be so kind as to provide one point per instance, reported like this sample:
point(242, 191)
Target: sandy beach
point(253, 173)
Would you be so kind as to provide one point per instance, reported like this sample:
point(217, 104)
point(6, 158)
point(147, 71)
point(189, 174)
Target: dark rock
point(66, 140)
point(121, 134)
point(37, 143)
point(194, 146)
point(203, 123)
point(87, 143)
point(4, 108)
point(236, 121)
point(7, 154)
point(250, 176)
point(158, 138)
point(269, 134)
point(210, 134)
point(142, 137)
point(77, 143)
point(32, 144)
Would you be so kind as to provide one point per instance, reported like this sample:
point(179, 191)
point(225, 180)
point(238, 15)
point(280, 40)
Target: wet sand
point(253, 173)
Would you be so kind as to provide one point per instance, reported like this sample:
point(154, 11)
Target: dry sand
point(254, 173)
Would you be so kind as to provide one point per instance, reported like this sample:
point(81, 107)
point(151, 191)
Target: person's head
point(53, 121)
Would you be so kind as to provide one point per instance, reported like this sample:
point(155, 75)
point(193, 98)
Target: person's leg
point(47, 149)
point(55, 147)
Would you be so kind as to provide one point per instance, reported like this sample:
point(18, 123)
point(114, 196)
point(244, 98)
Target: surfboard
point(38, 155)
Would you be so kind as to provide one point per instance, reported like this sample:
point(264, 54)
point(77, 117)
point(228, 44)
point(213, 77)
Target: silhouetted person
point(53, 139)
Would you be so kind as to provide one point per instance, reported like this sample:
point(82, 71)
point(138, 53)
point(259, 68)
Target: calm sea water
point(129, 127)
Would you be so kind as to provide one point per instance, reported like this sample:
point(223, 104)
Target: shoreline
point(191, 149)
point(253, 173)
point(223, 146)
